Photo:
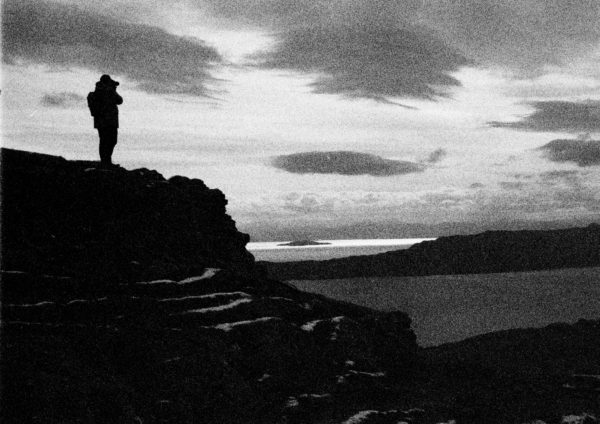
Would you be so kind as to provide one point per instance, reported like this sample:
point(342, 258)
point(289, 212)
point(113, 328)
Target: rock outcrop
point(128, 298)
point(83, 218)
point(488, 252)
point(215, 348)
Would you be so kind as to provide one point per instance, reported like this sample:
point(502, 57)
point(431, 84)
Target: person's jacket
point(103, 105)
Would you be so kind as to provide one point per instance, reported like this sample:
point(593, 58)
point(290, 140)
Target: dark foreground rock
point(109, 325)
point(217, 348)
point(488, 252)
point(220, 348)
point(79, 218)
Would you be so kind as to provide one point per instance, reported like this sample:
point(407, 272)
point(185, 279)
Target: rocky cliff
point(128, 298)
point(77, 218)
point(488, 252)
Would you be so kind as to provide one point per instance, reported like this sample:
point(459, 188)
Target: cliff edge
point(127, 297)
point(84, 218)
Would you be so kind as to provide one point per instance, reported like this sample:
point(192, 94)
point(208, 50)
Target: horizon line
point(270, 245)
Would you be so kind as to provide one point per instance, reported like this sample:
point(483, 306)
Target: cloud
point(551, 195)
point(344, 163)
point(309, 203)
point(552, 177)
point(372, 214)
point(524, 35)
point(366, 62)
point(355, 205)
point(379, 49)
point(558, 83)
point(512, 185)
point(65, 35)
point(437, 155)
point(62, 100)
point(280, 14)
point(558, 116)
point(582, 152)
point(369, 49)
point(524, 176)
point(570, 190)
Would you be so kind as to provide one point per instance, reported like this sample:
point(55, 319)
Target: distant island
point(487, 252)
point(303, 243)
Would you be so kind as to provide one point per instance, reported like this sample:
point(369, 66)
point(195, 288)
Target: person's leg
point(108, 141)
point(104, 143)
point(113, 133)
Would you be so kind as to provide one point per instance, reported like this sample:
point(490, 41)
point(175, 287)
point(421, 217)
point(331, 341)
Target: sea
point(450, 308)
point(276, 251)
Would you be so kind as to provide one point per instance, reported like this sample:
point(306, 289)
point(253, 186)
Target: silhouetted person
point(103, 106)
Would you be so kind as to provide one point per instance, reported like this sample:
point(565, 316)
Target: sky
point(328, 119)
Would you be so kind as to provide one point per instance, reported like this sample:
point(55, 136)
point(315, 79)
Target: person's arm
point(118, 98)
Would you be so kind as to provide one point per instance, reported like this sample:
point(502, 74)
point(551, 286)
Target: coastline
point(272, 245)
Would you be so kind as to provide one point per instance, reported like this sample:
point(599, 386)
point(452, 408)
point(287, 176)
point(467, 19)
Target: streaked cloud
point(524, 176)
point(385, 48)
point(344, 163)
point(381, 49)
point(570, 197)
point(357, 48)
point(437, 155)
point(582, 152)
point(523, 35)
point(68, 36)
point(554, 177)
point(571, 189)
point(280, 14)
point(308, 203)
point(558, 83)
point(512, 185)
point(62, 100)
point(558, 116)
point(367, 62)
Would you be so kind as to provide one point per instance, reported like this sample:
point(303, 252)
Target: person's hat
point(108, 80)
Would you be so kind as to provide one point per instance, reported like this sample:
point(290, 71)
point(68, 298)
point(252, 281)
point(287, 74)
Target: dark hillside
point(488, 252)
point(128, 298)
point(84, 218)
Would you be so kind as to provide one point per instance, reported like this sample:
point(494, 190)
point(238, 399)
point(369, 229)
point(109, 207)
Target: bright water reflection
point(274, 251)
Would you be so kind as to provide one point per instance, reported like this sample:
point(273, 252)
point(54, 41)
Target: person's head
point(106, 79)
